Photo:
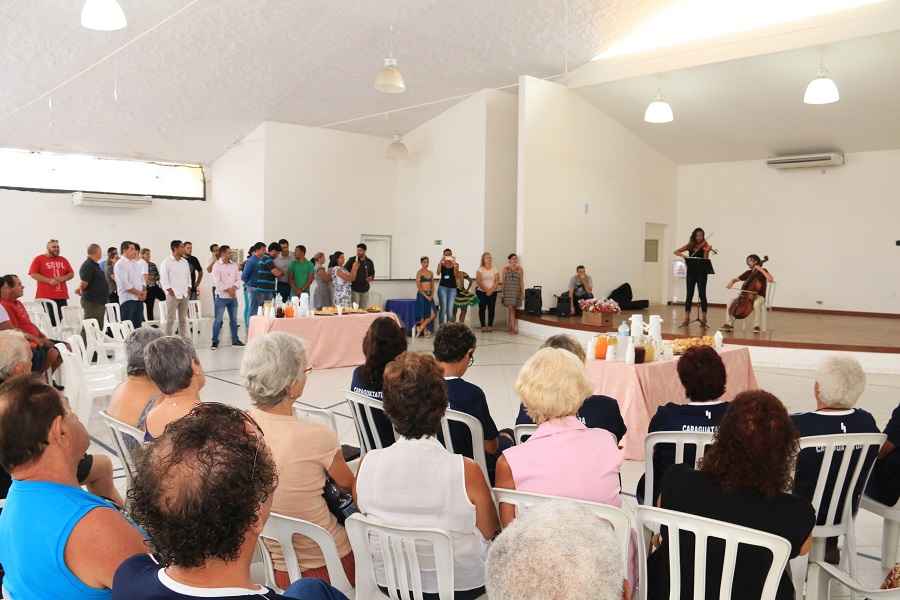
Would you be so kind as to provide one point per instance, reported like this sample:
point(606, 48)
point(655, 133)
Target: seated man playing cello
point(753, 293)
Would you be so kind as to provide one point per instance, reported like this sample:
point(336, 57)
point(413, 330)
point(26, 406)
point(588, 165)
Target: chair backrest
point(853, 468)
point(194, 309)
point(79, 349)
point(72, 317)
point(113, 312)
point(361, 409)
point(475, 430)
point(399, 550)
point(523, 432)
point(319, 415)
point(282, 529)
point(651, 519)
point(95, 340)
point(618, 518)
point(126, 328)
point(127, 440)
point(41, 320)
point(697, 440)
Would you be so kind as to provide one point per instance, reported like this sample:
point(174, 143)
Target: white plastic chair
point(113, 313)
point(403, 553)
point(71, 319)
point(697, 440)
point(160, 310)
point(843, 524)
point(82, 390)
point(651, 519)
point(126, 439)
point(41, 320)
point(54, 314)
point(891, 535)
point(282, 529)
point(523, 432)
point(821, 575)
point(92, 371)
point(98, 341)
point(618, 518)
point(319, 415)
point(199, 328)
point(361, 409)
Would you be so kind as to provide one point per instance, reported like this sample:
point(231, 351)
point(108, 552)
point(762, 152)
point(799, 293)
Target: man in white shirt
point(175, 279)
point(226, 280)
point(130, 284)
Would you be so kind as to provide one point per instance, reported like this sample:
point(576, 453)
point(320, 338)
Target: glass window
point(55, 172)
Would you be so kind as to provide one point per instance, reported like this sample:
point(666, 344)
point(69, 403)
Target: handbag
point(340, 503)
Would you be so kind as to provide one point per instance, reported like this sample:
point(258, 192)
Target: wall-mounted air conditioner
point(97, 200)
point(800, 161)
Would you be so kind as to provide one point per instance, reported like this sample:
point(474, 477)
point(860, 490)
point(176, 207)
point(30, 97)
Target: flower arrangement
point(595, 305)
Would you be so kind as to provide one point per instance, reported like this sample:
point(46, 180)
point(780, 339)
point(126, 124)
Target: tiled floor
point(497, 361)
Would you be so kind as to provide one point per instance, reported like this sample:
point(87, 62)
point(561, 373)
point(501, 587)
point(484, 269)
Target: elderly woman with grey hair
point(840, 382)
point(557, 551)
point(172, 364)
point(274, 371)
point(137, 395)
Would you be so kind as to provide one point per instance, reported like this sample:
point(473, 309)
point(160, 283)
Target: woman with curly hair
point(417, 483)
point(203, 492)
point(743, 479)
point(384, 342)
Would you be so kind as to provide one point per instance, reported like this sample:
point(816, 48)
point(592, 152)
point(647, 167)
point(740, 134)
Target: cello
point(742, 306)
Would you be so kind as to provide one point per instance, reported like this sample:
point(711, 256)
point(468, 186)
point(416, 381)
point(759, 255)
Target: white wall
point(500, 173)
point(235, 188)
point(32, 218)
point(570, 155)
point(830, 235)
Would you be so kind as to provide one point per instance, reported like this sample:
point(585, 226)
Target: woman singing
point(697, 272)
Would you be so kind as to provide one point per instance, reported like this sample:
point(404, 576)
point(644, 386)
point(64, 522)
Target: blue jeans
point(133, 310)
point(446, 296)
point(312, 589)
point(257, 299)
point(223, 304)
point(248, 294)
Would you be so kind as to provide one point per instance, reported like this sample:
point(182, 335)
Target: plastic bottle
point(629, 352)
point(622, 338)
point(719, 340)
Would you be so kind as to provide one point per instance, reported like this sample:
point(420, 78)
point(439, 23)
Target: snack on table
point(681, 345)
point(327, 310)
point(375, 309)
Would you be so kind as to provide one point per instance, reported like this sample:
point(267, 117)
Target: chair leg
point(889, 540)
point(850, 552)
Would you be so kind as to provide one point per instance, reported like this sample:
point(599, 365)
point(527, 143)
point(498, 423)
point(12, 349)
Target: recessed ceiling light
point(103, 15)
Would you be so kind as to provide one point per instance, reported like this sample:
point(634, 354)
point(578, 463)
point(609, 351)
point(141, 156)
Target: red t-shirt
point(47, 266)
point(19, 318)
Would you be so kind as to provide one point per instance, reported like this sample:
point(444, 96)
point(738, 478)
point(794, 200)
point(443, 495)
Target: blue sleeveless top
point(35, 525)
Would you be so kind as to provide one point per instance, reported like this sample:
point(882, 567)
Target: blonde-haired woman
point(563, 457)
point(487, 283)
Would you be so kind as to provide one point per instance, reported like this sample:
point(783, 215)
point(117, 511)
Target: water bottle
point(629, 352)
point(719, 340)
point(622, 337)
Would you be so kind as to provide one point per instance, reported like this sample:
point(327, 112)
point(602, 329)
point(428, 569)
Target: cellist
point(755, 277)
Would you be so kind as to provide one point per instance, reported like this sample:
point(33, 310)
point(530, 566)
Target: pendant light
point(103, 15)
point(397, 150)
point(389, 80)
point(659, 111)
point(822, 89)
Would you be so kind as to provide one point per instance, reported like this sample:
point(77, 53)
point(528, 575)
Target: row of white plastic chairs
point(816, 574)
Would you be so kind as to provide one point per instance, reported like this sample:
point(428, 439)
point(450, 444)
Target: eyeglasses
point(307, 370)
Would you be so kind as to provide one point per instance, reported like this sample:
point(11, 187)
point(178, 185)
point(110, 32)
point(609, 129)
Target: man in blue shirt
point(265, 280)
point(248, 274)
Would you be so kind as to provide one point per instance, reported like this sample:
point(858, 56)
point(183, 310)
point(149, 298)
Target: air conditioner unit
point(800, 161)
point(97, 200)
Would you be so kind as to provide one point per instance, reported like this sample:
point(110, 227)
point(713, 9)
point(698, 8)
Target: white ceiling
point(753, 108)
point(196, 84)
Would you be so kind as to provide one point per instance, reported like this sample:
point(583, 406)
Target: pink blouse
point(566, 458)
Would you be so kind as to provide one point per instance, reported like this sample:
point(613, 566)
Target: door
point(654, 234)
point(378, 248)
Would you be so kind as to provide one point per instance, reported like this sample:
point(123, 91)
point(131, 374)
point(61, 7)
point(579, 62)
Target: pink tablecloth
point(330, 341)
point(640, 389)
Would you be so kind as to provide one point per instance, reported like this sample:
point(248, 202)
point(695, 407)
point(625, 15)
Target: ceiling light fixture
point(389, 79)
point(397, 150)
point(822, 89)
point(103, 15)
point(659, 111)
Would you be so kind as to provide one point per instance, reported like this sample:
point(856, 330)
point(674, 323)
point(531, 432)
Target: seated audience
point(702, 373)
point(417, 483)
point(56, 540)
point(597, 411)
point(563, 457)
point(95, 472)
point(556, 551)
point(44, 357)
point(202, 493)
point(274, 370)
point(172, 364)
point(454, 349)
point(884, 482)
point(384, 342)
point(744, 479)
point(137, 395)
point(840, 381)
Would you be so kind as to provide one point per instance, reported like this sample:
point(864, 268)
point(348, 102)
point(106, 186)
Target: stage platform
point(787, 329)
